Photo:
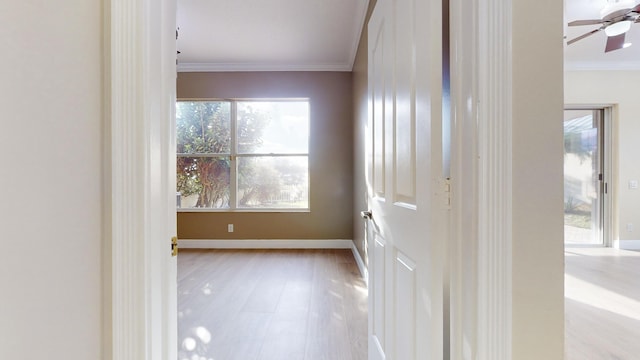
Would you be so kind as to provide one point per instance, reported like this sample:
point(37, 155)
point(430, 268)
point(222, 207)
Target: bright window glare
point(249, 154)
point(284, 131)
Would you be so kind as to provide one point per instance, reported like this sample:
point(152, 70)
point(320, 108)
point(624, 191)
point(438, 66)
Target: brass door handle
point(367, 215)
point(174, 246)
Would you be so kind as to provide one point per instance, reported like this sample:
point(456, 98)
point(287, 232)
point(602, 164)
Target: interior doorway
point(586, 175)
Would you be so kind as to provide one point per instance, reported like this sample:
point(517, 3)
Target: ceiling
point(589, 53)
point(263, 35)
point(322, 35)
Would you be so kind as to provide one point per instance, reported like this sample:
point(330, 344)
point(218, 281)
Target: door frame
point(609, 168)
point(480, 254)
point(139, 85)
point(138, 90)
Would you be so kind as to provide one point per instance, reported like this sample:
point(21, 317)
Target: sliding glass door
point(584, 176)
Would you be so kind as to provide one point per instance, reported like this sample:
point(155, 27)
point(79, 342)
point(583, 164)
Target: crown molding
point(601, 65)
point(231, 67)
point(359, 25)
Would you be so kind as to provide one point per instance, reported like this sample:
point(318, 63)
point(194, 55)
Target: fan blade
point(614, 42)
point(584, 35)
point(584, 22)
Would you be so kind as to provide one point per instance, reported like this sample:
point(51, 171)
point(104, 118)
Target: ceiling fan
point(617, 19)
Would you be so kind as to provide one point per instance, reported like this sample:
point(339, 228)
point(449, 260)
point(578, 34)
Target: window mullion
point(233, 182)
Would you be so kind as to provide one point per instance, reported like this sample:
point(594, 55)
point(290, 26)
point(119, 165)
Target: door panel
point(404, 124)
point(378, 123)
point(405, 307)
point(379, 291)
point(404, 169)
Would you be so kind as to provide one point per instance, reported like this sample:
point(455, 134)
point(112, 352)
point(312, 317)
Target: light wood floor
point(271, 304)
point(602, 304)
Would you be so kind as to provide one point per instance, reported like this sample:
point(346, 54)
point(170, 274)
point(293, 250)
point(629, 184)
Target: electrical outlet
point(630, 227)
point(633, 184)
point(230, 228)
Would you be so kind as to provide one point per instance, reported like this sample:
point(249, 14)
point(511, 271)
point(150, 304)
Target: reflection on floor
point(271, 304)
point(602, 304)
point(574, 235)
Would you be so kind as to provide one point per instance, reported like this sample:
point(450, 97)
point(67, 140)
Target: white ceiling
point(589, 53)
point(262, 35)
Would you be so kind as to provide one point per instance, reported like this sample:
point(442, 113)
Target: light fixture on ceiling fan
point(617, 18)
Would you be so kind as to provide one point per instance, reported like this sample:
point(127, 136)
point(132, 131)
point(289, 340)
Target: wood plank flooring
point(271, 305)
point(602, 304)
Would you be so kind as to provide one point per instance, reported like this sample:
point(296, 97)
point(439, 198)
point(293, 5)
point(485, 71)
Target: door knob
point(367, 215)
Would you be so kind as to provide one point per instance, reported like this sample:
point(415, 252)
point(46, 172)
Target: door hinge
point(174, 246)
point(447, 193)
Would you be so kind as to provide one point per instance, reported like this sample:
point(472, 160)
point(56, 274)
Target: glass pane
point(581, 178)
point(273, 127)
point(203, 127)
point(273, 182)
point(203, 182)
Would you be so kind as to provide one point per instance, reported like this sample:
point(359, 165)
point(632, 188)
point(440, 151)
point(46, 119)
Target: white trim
point(231, 67)
point(363, 269)
point(127, 217)
point(495, 180)
point(139, 73)
point(265, 244)
point(604, 66)
point(279, 244)
point(627, 244)
point(359, 28)
point(610, 174)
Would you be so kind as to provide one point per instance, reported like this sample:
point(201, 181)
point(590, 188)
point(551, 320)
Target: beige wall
point(538, 256)
point(360, 114)
point(50, 149)
point(616, 88)
point(330, 156)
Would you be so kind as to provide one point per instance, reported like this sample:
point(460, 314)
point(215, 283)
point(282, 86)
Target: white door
point(404, 171)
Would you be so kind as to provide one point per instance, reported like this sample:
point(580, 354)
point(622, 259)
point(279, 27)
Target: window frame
point(233, 156)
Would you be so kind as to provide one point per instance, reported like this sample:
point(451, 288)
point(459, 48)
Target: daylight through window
point(243, 154)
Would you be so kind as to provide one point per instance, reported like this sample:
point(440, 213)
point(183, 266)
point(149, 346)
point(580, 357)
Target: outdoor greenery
point(204, 162)
point(204, 128)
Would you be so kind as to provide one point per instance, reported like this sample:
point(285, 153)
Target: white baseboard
point(266, 244)
point(363, 269)
point(627, 244)
point(278, 244)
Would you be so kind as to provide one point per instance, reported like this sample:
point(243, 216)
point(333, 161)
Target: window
point(243, 154)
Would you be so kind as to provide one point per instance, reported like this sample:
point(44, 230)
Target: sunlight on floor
point(602, 303)
point(601, 298)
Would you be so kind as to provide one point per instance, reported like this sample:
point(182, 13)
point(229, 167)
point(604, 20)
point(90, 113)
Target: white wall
point(50, 178)
point(538, 256)
point(618, 88)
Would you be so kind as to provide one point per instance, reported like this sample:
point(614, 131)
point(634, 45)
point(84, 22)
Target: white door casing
point(404, 161)
point(139, 34)
point(481, 184)
point(139, 273)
